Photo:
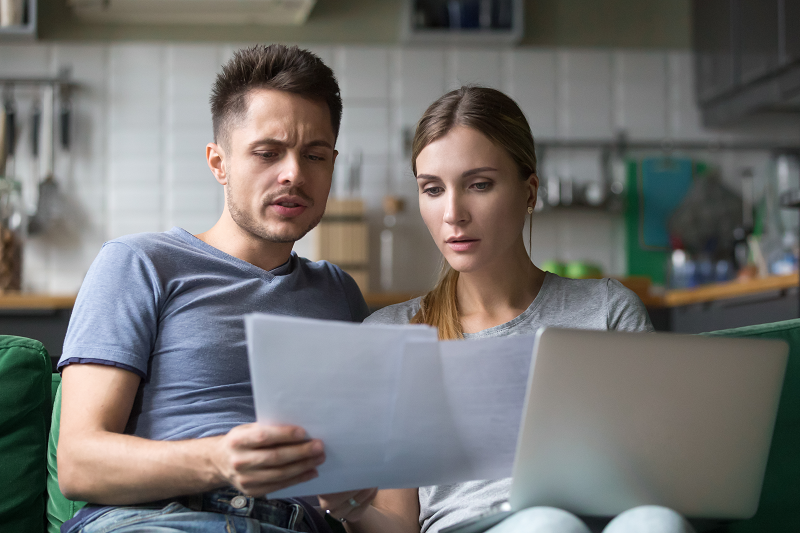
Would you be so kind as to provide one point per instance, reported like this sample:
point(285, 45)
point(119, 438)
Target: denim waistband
point(288, 514)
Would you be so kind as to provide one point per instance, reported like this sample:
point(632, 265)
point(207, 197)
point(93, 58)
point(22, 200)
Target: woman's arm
point(391, 510)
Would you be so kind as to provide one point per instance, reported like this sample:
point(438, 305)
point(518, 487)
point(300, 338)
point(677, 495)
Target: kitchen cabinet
point(789, 31)
point(747, 57)
point(724, 305)
point(713, 48)
point(759, 34)
point(37, 316)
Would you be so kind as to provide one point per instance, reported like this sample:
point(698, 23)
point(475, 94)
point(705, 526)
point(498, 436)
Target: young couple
point(157, 413)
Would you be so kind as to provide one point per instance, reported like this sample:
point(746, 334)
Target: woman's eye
point(482, 185)
point(432, 191)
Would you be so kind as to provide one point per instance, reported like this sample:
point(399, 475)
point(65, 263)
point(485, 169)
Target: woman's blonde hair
point(499, 118)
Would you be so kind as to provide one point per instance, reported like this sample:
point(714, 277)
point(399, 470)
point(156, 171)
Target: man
point(157, 411)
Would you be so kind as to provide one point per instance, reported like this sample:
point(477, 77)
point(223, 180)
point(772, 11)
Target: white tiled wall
point(141, 122)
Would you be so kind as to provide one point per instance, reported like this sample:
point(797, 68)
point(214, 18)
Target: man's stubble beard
point(245, 220)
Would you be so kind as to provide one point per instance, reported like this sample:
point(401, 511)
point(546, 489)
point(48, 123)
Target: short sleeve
point(626, 312)
point(358, 306)
point(115, 318)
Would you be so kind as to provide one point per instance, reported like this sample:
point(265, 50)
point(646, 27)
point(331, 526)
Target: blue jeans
point(222, 511)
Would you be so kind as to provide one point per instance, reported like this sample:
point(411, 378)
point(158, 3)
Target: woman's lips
point(463, 245)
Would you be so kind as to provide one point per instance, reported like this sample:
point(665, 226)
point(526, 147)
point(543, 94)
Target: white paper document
point(394, 406)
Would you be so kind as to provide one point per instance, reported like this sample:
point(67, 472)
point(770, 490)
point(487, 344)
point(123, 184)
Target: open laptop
point(616, 420)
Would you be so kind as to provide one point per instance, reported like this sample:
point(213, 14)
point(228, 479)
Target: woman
point(475, 166)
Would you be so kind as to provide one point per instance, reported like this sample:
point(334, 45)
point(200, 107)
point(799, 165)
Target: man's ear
point(215, 156)
point(533, 189)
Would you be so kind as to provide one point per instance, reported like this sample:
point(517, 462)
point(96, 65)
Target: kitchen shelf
point(25, 32)
point(414, 31)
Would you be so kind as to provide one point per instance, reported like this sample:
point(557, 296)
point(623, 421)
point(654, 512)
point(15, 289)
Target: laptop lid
point(615, 420)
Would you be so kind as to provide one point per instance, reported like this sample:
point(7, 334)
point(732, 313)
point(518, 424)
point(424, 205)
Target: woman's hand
point(347, 506)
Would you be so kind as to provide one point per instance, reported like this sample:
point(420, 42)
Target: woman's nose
point(455, 212)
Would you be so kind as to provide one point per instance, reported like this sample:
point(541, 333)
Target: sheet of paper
point(395, 407)
point(485, 381)
point(336, 380)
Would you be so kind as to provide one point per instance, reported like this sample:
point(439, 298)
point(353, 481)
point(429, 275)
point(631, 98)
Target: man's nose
point(291, 172)
point(455, 212)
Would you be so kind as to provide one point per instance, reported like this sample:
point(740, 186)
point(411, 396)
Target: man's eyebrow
point(268, 140)
point(278, 142)
point(324, 144)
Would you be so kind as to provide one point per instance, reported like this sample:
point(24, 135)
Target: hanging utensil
point(30, 185)
point(64, 117)
point(48, 205)
point(3, 142)
point(10, 124)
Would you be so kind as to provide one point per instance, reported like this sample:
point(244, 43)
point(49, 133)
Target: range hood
point(264, 12)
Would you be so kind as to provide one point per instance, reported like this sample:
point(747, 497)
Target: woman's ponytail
point(439, 308)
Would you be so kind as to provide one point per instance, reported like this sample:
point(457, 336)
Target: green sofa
point(30, 404)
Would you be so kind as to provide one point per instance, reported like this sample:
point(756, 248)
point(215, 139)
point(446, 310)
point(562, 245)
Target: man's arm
point(100, 464)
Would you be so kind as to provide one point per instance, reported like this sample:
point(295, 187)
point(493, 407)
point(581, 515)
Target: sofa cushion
point(778, 509)
point(59, 508)
point(25, 371)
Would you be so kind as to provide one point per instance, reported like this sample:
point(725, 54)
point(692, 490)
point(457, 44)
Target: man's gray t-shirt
point(169, 307)
point(566, 303)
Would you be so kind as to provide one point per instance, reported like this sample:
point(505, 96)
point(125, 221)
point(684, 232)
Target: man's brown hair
point(274, 66)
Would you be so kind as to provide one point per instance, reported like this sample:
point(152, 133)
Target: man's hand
point(260, 459)
point(350, 506)
point(97, 462)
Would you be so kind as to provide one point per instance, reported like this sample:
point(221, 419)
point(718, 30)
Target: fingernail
point(317, 447)
point(299, 433)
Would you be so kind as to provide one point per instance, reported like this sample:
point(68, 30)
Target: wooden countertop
point(721, 291)
point(23, 300)
point(671, 298)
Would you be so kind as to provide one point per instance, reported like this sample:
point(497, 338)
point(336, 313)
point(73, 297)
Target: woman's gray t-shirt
point(600, 304)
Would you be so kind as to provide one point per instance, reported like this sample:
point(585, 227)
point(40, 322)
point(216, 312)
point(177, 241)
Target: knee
point(650, 518)
point(541, 520)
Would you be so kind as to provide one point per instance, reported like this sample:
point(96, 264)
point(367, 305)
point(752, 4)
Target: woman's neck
point(498, 293)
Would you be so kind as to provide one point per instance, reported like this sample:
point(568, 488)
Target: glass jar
point(11, 224)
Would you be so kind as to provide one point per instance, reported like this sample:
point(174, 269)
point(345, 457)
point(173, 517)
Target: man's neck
point(228, 237)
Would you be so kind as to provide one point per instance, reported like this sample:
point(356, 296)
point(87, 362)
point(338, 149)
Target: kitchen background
point(583, 70)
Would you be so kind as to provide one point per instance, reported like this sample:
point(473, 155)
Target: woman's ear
point(533, 189)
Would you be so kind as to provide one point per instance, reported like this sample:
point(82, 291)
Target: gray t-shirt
point(566, 303)
point(169, 307)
